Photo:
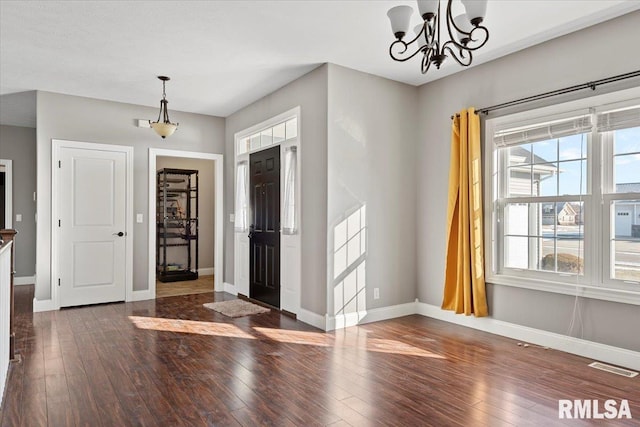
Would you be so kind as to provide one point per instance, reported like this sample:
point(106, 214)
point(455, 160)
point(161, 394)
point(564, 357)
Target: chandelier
point(163, 128)
point(465, 33)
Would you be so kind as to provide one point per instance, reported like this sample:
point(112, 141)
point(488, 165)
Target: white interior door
point(91, 204)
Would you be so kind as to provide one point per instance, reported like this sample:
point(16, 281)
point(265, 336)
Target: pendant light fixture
point(465, 33)
point(164, 128)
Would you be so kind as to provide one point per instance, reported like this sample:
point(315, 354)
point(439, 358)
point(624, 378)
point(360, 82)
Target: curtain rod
point(588, 85)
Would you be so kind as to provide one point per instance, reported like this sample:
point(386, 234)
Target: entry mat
point(236, 308)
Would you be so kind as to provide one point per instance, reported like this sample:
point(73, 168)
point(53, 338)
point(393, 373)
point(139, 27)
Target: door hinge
point(59, 164)
point(59, 223)
point(58, 281)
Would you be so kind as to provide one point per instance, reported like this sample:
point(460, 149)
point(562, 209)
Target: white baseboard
point(589, 349)
point(142, 295)
point(311, 318)
point(206, 271)
point(43, 305)
point(367, 316)
point(230, 289)
point(24, 280)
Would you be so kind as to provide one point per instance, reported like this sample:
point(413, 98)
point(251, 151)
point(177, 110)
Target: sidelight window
point(289, 200)
point(242, 202)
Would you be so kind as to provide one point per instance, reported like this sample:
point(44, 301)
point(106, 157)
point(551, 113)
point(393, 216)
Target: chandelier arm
point(426, 60)
point(159, 112)
point(166, 112)
point(459, 56)
point(450, 22)
point(483, 39)
point(397, 56)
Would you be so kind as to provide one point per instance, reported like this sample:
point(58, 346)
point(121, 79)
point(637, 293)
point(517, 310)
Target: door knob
point(119, 234)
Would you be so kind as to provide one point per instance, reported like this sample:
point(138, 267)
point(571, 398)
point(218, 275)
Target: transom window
point(267, 137)
point(565, 195)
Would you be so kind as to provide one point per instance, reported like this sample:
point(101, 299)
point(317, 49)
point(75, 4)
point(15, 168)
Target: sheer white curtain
point(289, 224)
point(241, 198)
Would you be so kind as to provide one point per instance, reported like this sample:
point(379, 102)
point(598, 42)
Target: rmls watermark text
point(594, 409)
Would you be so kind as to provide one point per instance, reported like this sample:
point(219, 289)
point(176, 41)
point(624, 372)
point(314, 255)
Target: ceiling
point(223, 55)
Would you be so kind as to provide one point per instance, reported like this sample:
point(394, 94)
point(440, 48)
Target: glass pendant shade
point(164, 129)
point(422, 40)
point(400, 17)
point(428, 8)
point(476, 9)
point(463, 23)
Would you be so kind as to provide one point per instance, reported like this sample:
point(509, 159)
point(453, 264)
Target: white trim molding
point(230, 289)
point(589, 349)
point(290, 245)
point(8, 192)
point(142, 295)
point(24, 280)
point(311, 318)
point(44, 305)
point(210, 271)
point(218, 214)
point(367, 316)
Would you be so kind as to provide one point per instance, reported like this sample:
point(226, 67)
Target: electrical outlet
point(376, 293)
point(18, 217)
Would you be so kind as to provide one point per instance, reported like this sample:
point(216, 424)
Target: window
point(289, 224)
point(267, 137)
point(242, 207)
point(565, 198)
point(285, 133)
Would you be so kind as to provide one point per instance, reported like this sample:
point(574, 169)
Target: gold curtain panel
point(464, 286)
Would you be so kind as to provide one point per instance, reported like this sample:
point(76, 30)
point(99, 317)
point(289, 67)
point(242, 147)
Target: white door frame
point(290, 245)
point(57, 144)
point(8, 192)
point(218, 172)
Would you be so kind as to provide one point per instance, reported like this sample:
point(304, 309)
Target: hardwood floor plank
point(13, 396)
point(171, 362)
point(34, 411)
point(60, 414)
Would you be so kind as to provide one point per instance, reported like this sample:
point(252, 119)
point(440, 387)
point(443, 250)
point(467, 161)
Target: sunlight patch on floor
point(285, 336)
point(190, 327)
point(297, 337)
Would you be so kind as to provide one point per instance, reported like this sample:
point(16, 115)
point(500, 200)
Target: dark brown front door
point(264, 237)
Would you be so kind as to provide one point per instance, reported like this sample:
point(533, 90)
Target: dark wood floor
point(171, 362)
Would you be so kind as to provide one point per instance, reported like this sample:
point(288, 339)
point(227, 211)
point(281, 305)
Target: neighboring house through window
point(564, 202)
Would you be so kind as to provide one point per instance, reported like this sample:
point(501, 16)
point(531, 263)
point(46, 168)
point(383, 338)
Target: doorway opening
point(6, 194)
point(282, 134)
point(184, 226)
point(185, 223)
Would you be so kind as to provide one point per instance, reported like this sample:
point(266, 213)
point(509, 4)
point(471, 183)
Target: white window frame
point(595, 282)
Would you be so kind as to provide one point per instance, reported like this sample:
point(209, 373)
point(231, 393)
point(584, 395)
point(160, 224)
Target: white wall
point(91, 120)
point(310, 93)
point(597, 52)
point(371, 164)
point(19, 145)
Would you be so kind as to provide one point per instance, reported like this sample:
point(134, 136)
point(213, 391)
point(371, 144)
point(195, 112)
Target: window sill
point(593, 292)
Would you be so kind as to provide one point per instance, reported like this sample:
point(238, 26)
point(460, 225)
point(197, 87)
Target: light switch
point(139, 218)
point(18, 217)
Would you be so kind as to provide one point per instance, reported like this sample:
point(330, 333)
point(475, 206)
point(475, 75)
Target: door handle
point(119, 234)
point(251, 229)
